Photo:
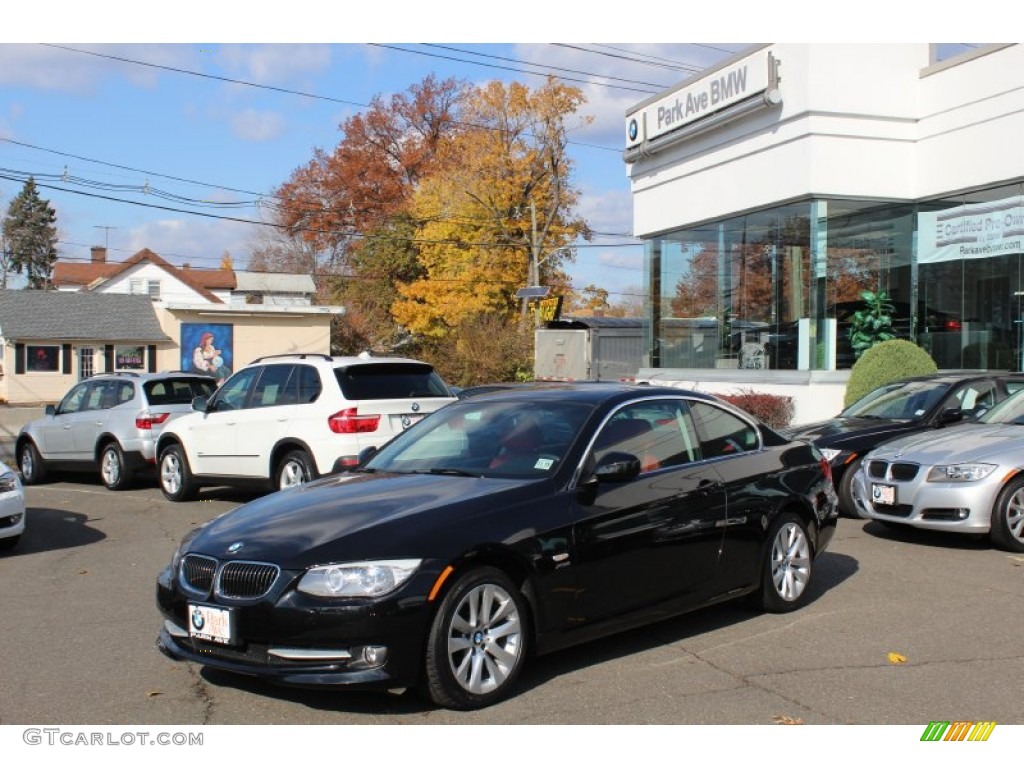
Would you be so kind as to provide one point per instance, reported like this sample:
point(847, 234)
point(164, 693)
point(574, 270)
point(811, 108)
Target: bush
point(774, 410)
point(885, 362)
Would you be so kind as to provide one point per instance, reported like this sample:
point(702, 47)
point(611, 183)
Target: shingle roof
point(200, 280)
point(73, 315)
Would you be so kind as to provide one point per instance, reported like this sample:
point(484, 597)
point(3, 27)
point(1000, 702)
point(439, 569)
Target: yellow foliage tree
point(497, 212)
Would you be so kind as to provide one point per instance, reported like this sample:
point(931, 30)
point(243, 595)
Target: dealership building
point(777, 193)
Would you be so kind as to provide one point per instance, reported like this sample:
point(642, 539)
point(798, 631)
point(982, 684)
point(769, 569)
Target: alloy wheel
point(485, 639)
point(791, 562)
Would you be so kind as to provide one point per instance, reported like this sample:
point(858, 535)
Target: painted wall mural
point(208, 348)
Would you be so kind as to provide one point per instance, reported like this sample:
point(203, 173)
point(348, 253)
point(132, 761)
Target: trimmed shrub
point(774, 410)
point(885, 362)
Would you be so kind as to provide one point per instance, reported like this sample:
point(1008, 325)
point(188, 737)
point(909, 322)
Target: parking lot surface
point(902, 629)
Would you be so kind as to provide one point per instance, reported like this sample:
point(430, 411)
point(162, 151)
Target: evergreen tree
point(30, 236)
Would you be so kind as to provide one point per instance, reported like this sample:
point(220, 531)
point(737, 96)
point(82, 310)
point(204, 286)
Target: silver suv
point(110, 422)
point(286, 419)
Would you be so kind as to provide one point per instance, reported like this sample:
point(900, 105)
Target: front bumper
point(956, 507)
point(12, 514)
point(292, 639)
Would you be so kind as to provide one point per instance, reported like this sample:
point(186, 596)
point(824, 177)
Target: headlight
point(830, 453)
point(8, 482)
point(370, 579)
point(960, 473)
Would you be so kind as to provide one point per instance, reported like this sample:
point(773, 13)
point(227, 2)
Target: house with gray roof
point(51, 339)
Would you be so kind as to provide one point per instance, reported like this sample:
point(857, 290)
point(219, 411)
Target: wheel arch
point(282, 447)
point(102, 442)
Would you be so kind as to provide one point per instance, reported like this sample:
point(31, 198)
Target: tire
point(176, 479)
point(33, 470)
point(295, 469)
point(473, 665)
point(847, 506)
point(788, 564)
point(1007, 529)
point(113, 469)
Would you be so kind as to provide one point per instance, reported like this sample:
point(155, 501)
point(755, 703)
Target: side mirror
point(366, 454)
point(199, 403)
point(50, 410)
point(951, 415)
point(617, 467)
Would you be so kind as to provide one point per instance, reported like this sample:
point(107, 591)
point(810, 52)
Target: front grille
point(242, 579)
point(903, 472)
point(197, 572)
point(900, 471)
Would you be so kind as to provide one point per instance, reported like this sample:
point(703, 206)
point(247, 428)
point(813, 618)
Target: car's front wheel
point(113, 469)
point(787, 566)
point(478, 641)
point(295, 469)
point(176, 479)
point(33, 470)
point(1007, 528)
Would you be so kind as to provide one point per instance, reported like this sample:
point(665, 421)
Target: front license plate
point(215, 625)
point(883, 494)
point(404, 421)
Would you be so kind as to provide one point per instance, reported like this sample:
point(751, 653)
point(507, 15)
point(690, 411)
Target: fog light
point(369, 656)
point(962, 514)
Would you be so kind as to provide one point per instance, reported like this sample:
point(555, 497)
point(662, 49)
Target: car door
point(733, 446)
point(655, 537)
point(213, 439)
point(271, 407)
point(55, 438)
point(91, 419)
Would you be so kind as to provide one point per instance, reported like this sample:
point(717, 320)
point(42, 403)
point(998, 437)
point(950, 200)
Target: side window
point(96, 398)
point(74, 400)
point(722, 433)
point(309, 383)
point(658, 432)
point(233, 393)
point(973, 399)
point(275, 386)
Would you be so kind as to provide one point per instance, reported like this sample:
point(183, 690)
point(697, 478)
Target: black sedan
point(520, 522)
point(901, 408)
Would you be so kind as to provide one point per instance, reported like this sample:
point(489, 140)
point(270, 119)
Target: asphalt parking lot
point(79, 624)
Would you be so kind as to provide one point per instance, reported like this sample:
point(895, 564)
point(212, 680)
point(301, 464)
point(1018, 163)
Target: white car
point(12, 507)
point(286, 419)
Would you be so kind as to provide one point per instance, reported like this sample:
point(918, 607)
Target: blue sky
point(134, 118)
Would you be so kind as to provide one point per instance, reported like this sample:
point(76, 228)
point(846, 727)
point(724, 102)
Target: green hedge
point(885, 362)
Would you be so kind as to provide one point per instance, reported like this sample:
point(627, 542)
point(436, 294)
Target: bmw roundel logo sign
point(197, 619)
point(634, 129)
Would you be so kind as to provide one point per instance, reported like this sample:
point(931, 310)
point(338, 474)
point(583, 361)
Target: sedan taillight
point(146, 420)
point(347, 422)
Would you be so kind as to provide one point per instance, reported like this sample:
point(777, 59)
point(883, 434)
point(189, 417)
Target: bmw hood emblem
point(235, 547)
point(415, 407)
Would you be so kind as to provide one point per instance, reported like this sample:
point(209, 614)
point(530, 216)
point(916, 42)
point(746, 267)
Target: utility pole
point(106, 239)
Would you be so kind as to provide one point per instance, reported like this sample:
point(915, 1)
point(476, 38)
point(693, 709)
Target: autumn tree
point(497, 213)
point(30, 236)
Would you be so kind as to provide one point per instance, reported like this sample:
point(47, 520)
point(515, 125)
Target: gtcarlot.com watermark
point(74, 738)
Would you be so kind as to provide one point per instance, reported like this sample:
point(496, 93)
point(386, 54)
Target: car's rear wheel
point(787, 566)
point(1007, 528)
point(478, 641)
point(295, 468)
point(33, 470)
point(176, 479)
point(113, 469)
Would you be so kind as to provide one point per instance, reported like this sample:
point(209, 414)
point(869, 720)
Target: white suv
point(286, 419)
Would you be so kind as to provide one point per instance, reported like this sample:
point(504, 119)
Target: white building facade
point(774, 190)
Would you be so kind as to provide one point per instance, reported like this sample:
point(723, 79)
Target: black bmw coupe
point(511, 523)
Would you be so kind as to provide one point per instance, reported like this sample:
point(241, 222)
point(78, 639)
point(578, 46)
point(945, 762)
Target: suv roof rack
point(300, 355)
point(134, 374)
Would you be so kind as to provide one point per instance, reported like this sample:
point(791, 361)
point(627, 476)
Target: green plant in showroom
point(873, 323)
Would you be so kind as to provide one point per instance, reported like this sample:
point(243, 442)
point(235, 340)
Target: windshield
point(486, 439)
point(1010, 411)
point(899, 400)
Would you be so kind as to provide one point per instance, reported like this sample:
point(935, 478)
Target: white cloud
point(273, 64)
point(195, 241)
point(50, 68)
point(257, 125)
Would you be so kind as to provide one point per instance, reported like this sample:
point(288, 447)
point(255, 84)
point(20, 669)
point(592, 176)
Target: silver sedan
point(967, 478)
